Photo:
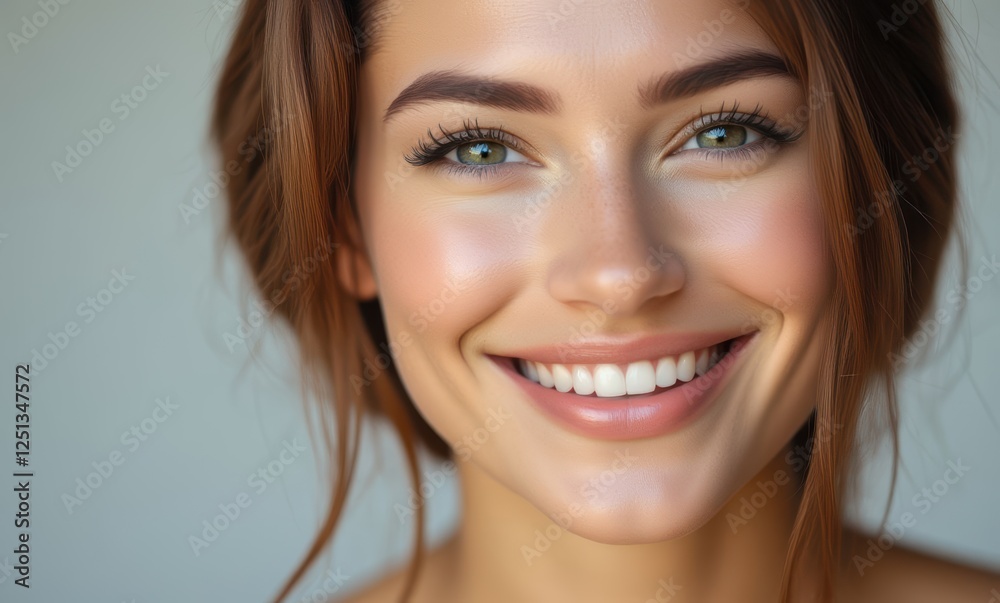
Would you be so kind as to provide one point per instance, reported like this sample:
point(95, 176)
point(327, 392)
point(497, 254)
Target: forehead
point(589, 45)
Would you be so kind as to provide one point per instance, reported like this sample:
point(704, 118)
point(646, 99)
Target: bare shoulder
point(906, 574)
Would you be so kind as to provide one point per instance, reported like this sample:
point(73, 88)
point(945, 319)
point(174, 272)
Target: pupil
point(723, 136)
point(480, 153)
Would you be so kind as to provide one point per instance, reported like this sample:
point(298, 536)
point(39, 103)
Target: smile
point(623, 390)
point(633, 378)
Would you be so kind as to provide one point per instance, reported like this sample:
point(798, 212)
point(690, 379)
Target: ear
point(353, 267)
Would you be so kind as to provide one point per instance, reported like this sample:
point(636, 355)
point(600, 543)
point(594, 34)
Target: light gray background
point(162, 336)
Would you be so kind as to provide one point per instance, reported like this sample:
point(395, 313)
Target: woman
point(636, 266)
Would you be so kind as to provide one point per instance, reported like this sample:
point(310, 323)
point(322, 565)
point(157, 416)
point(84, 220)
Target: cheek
point(777, 254)
point(446, 272)
point(771, 247)
point(766, 240)
point(440, 273)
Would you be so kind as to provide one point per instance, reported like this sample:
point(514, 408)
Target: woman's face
point(613, 191)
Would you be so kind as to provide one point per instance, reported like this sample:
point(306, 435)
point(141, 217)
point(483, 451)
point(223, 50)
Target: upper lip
point(619, 350)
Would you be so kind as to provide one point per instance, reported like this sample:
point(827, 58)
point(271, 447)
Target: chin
point(655, 515)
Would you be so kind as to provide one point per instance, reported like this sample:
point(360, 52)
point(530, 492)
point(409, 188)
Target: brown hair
point(880, 93)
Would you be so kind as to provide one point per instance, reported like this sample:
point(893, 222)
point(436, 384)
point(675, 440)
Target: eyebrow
point(712, 74)
point(457, 86)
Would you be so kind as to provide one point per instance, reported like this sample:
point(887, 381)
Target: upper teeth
point(610, 380)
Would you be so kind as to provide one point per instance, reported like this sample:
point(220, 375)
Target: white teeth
point(563, 380)
point(544, 376)
point(583, 381)
point(640, 378)
point(529, 370)
point(701, 364)
point(685, 366)
point(666, 372)
point(609, 381)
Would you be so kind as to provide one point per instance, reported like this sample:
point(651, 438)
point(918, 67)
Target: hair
point(880, 95)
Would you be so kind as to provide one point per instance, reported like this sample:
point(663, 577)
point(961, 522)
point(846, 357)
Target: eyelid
point(756, 120)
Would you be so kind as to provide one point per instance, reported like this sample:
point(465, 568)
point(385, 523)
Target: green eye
point(482, 152)
point(722, 137)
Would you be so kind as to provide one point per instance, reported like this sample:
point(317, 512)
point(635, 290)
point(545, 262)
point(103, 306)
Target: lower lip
point(632, 417)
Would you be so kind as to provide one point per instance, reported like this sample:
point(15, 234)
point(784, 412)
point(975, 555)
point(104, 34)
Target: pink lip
point(612, 350)
point(631, 417)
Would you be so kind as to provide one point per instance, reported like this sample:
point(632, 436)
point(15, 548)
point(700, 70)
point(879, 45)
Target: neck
point(506, 550)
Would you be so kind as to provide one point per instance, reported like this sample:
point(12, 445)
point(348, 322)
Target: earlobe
point(355, 272)
point(353, 267)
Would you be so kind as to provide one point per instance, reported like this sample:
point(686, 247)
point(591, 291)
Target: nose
point(609, 254)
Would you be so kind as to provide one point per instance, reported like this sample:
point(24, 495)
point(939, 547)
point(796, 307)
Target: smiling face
point(598, 248)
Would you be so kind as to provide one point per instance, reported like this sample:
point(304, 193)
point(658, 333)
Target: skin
point(466, 266)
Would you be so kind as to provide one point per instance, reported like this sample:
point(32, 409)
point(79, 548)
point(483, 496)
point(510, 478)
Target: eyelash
point(426, 153)
point(757, 120)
